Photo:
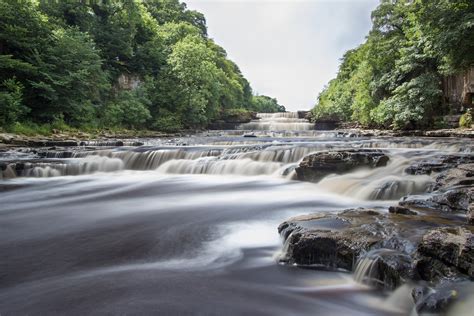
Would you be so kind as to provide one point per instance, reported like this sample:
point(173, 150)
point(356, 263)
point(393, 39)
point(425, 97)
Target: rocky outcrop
point(444, 252)
point(384, 268)
point(332, 241)
point(438, 164)
point(304, 114)
point(318, 165)
point(458, 89)
point(128, 81)
point(453, 190)
point(383, 249)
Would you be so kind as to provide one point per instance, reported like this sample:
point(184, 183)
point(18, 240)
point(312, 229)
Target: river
point(189, 225)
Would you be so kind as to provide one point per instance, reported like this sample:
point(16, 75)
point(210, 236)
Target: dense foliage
point(394, 78)
point(61, 63)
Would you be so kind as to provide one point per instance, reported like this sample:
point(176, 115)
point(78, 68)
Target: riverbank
point(75, 138)
point(68, 137)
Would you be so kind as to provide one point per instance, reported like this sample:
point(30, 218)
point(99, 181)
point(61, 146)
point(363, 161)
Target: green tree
point(70, 80)
point(11, 102)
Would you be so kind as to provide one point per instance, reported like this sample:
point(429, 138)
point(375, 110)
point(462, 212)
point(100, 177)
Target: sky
point(287, 49)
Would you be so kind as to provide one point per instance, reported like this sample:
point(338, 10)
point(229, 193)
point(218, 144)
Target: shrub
point(30, 129)
point(237, 115)
point(11, 107)
point(168, 123)
point(466, 120)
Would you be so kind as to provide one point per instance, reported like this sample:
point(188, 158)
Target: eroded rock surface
point(332, 240)
point(318, 165)
point(444, 252)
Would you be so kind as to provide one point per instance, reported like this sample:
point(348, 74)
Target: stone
point(445, 251)
point(434, 301)
point(438, 164)
point(318, 165)
point(385, 269)
point(454, 200)
point(470, 214)
point(401, 210)
point(332, 241)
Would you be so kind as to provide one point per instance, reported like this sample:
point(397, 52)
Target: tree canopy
point(61, 61)
point(394, 78)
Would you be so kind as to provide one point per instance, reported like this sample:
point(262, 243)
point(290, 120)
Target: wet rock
point(454, 200)
point(462, 175)
point(401, 210)
point(443, 252)
point(332, 240)
point(304, 114)
point(438, 164)
point(468, 133)
point(434, 300)
point(384, 268)
point(470, 214)
point(318, 165)
point(46, 143)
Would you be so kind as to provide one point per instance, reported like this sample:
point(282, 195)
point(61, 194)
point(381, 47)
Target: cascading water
point(275, 158)
point(282, 121)
point(186, 225)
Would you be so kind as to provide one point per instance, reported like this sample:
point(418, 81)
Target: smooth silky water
point(189, 226)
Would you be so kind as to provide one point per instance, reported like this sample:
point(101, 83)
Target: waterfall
point(277, 158)
point(371, 266)
point(282, 121)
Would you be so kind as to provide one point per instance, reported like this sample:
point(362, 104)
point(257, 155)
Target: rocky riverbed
point(363, 220)
point(424, 238)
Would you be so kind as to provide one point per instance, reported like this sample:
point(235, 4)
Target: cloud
point(287, 49)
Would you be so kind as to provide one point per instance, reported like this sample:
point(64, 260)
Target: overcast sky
point(288, 49)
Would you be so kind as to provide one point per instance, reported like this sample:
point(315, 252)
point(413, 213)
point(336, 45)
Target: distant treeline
point(393, 80)
point(122, 64)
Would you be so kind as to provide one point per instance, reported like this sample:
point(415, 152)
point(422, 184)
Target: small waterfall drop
point(371, 268)
point(281, 121)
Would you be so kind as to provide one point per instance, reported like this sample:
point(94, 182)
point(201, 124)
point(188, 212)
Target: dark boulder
point(444, 252)
point(303, 114)
point(470, 214)
point(332, 241)
point(318, 165)
point(384, 268)
point(401, 210)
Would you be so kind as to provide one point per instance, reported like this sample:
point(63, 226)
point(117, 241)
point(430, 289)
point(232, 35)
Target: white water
point(276, 159)
point(188, 225)
point(282, 121)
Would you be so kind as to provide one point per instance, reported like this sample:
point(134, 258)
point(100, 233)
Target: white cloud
point(288, 49)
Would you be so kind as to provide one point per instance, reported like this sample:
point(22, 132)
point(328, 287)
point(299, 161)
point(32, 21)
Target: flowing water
point(283, 121)
point(186, 226)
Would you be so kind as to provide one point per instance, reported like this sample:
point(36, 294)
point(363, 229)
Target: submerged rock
point(434, 300)
point(401, 210)
point(318, 165)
